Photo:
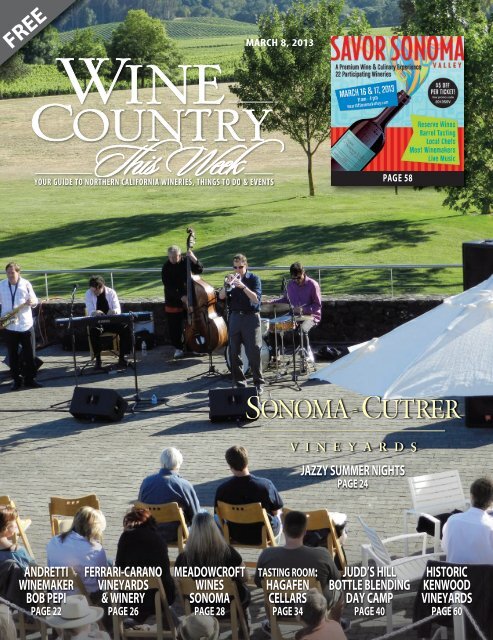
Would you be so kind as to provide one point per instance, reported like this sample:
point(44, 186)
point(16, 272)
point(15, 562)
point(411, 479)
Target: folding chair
point(166, 513)
point(252, 513)
point(162, 612)
point(236, 621)
point(271, 586)
point(63, 510)
point(435, 494)
point(22, 525)
point(321, 519)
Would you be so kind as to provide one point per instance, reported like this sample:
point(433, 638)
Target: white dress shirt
point(468, 537)
point(77, 552)
point(24, 319)
point(111, 297)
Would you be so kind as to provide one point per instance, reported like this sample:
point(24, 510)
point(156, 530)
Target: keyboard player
point(103, 301)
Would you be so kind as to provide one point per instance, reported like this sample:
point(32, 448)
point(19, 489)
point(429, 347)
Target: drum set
point(278, 321)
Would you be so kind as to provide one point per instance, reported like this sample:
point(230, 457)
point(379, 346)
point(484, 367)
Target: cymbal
point(274, 307)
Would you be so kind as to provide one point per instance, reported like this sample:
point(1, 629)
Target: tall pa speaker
point(233, 404)
point(97, 404)
point(477, 262)
point(479, 411)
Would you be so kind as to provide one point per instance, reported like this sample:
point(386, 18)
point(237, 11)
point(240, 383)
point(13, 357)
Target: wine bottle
point(364, 139)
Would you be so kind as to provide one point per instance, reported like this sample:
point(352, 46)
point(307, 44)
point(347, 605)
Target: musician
point(174, 277)
point(303, 294)
point(103, 301)
point(243, 289)
point(16, 291)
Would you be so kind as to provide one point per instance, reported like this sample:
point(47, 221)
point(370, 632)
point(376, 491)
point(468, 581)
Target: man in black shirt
point(245, 488)
point(103, 301)
point(244, 292)
point(174, 277)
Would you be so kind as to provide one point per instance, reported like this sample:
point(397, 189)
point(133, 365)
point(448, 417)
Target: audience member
point(315, 617)
point(13, 560)
point(9, 550)
point(245, 488)
point(81, 547)
point(77, 620)
point(206, 547)
point(168, 486)
point(194, 627)
point(468, 537)
point(141, 545)
point(294, 555)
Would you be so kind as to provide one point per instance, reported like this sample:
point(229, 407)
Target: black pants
point(245, 329)
point(176, 323)
point(121, 329)
point(25, 339)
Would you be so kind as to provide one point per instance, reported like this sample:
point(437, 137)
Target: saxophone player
point(17, 298)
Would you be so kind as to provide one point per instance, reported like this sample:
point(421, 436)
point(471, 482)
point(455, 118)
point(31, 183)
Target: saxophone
point(9, 317)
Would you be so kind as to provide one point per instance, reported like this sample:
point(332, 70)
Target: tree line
point(86, 13)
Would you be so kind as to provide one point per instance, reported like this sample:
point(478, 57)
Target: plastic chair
point(169, 512)
point(63, 510)
point(409, 568)
point(432, 495)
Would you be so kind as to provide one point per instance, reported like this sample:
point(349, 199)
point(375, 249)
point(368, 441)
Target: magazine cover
point(244, 392)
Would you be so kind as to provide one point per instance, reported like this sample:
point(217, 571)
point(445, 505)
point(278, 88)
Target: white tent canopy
point(445, 352)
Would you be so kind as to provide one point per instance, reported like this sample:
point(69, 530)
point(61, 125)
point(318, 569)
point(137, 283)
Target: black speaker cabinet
point(477, 262)
point(479, 411)
point(233, 404)
point(97, 404)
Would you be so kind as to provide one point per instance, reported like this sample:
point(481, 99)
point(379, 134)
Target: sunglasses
point(297, 278)
point(239, 266)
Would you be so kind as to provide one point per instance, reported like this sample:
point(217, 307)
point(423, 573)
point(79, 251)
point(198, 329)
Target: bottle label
point(351, 153)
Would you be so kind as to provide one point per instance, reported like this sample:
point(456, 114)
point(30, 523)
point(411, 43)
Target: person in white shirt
point(468, 537)
point(81, 548)
point(103, 301)
point(17, 295)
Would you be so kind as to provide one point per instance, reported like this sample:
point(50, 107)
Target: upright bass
point(205, 330)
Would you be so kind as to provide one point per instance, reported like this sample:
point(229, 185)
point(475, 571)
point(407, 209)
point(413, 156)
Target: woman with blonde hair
point(81, 547)
point(206, 547)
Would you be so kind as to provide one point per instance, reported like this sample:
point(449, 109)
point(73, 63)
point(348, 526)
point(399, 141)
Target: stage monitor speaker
point(477, 262)
point(479, 411)
point(97, 404)
point(233, 404)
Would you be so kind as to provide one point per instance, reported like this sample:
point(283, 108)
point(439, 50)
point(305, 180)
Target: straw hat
point(199, 628)
point(75, 612)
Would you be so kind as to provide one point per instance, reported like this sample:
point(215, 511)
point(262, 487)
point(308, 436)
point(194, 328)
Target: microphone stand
point(291, 313)
point(72, 332)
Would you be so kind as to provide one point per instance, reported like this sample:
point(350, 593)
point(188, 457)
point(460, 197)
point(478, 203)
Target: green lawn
point(64, 228)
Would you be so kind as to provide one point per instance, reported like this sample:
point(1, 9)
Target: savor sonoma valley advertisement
point(397, 110)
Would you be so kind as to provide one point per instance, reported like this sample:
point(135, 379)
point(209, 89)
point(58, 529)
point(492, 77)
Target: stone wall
point(350, 319)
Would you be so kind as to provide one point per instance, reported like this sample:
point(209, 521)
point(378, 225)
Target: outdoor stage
point(45, 451)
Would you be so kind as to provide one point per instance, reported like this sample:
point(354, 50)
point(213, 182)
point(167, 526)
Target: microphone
point(74, 286)
point(283, 285)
